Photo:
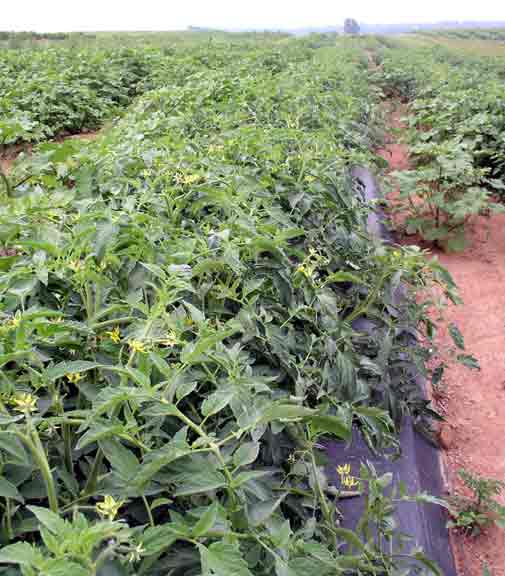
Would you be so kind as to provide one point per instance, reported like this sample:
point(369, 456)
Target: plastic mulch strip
point(418, 468)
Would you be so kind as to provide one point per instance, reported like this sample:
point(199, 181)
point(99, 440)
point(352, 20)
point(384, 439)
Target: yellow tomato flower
point(191, 178)
point(136, 554)
point(109, 507)
point(25, 402)
point(349, 481)
point(75, 265)
point(114, 335)
point(171, 339)
point(136, 346)
point(187, 178)
point(15, 321)
point(74, 378)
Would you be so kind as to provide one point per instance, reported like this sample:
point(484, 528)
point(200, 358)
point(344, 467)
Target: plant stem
point(90, 486)
point(212, 445)
point(10, 533)
point(114, 321)
point(370, 298)
point(67, 440)
point(34, 445)
point(148, 510)
point(6, 182)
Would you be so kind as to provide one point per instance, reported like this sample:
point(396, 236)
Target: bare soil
point(9, 155)
point(473, 436)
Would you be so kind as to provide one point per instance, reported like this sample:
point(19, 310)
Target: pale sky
point(70, 15)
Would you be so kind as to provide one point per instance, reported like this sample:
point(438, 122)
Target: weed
point(472, 514)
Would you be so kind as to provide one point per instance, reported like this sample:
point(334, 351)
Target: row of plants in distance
point(492, 34)
point(44, 93)
point(52, 91)
point(455, 124)
point(178, 308)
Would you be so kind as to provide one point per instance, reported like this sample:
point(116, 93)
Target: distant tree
point(351, 26)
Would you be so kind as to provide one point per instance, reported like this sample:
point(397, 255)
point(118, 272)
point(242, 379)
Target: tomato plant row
point(180, 304)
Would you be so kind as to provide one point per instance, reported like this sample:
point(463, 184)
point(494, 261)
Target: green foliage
point(471, 514)
point(180, 304)
point(441, 195)
point(52, 91)
point(455, 127)
point(467, 33)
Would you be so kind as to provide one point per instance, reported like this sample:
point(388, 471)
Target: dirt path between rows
point(10, 154)
point(473, 402)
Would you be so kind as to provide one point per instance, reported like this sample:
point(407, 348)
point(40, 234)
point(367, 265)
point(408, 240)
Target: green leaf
point(20, 553)
point(8, 490)
point(456, 336)
point(161, 364)
point(161, 409)
point(430, 564)
point(196, 315)
point(350, 537)
point(10, 444)
point(193, 351)
point(335, 425)
point(137, 376)
point(217, 401)
point(64, 368)
point(196, 475)
point(286, 412)
point(425, 498)
point(246, 454)
point(50, 520)
point(259, 512)
point(469, 361)
point(123, 460)
point(222, 559)
point(337, 277)
point(184, 389)
point(207, 521)
point(158, 459)
point(244, 477)
point(159, 502)
point(99, 429)
point(155, 539)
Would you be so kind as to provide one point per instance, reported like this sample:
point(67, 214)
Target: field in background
point(464, 44)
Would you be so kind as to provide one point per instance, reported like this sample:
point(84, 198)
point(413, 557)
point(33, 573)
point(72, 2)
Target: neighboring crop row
point(44, 93)
point(178, 307)
point(493, 34)
point(457, 121)
point(53, 91)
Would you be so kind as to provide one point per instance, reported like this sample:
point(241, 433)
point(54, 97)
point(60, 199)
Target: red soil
point(9, 155)
point(473, 402)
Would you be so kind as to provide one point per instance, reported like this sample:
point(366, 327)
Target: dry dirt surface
point(9, 155)
point(473, 402)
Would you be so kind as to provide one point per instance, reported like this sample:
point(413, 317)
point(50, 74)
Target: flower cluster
point(311, 264)
point(137, 346)
point(346, 479)
point(115, 335)
point(25, 402)
point(74, 378)
point(109, 507)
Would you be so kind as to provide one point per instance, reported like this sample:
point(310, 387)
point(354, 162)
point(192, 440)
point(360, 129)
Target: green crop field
point(179, 295)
